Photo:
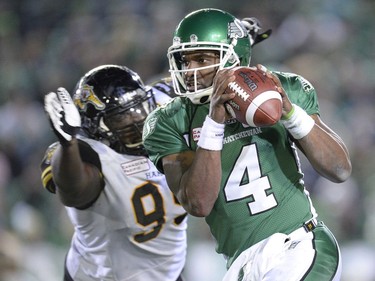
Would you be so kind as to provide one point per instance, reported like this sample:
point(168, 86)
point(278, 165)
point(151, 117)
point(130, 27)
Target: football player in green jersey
point(247, 182)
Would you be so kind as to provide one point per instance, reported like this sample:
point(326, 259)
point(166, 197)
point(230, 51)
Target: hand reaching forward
point(63, 115)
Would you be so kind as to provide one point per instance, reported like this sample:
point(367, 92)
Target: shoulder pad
point(46, 168)
point(163, 90)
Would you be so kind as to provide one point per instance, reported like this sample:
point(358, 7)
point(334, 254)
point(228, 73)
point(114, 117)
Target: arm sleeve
point(87, 155)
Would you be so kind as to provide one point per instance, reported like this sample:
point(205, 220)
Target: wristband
point(212, 135)
point(289, 115)
point(298, 122)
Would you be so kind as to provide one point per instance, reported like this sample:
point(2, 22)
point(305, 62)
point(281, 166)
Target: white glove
point(63, 115)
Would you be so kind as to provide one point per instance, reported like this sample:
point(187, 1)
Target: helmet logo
point(86, 95)
point(236, 29)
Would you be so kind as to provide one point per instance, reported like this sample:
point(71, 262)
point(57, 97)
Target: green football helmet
point(208, 30)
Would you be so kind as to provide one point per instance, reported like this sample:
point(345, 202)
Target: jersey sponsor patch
point(135, 166)
point(196, 133)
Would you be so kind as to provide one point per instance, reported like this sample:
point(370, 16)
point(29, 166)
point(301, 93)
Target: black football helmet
point(113, 103)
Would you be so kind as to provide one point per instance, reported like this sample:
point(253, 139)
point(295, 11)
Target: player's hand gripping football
point(63, 115)
point(287, 104)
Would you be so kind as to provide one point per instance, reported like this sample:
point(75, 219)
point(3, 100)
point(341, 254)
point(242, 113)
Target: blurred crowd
point(46, 44)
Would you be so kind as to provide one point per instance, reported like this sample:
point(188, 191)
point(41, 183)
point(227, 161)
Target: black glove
point(253, 27)
point(63, 115)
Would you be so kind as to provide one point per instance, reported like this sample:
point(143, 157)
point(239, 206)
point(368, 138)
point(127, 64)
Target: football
point(257, 102)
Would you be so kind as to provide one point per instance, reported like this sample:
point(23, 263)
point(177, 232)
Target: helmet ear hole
point(90, 111)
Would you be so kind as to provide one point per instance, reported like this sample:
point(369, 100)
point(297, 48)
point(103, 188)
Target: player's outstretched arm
point(78, 183)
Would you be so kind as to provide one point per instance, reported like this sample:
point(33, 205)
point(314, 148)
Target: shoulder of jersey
point(46, 168)
point(293, 80)
point(163, 90)
point(88, 154)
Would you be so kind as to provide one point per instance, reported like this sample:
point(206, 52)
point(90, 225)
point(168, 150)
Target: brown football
point(257, 102)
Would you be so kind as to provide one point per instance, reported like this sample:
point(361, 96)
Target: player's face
point(128, 125)
point(197, 65)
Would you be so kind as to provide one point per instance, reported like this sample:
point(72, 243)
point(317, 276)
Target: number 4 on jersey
point(246, 181)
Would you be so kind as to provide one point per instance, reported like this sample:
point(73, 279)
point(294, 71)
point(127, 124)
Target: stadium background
point(45, 44)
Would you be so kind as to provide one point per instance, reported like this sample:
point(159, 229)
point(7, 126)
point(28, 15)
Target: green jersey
point(262, 190)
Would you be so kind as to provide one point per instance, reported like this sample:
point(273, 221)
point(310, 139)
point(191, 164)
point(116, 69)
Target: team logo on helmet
point(236, 29)
point(86, 95)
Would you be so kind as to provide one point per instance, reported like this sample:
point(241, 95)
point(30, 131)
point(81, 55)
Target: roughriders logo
point(86, 95)
point(236, 29)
